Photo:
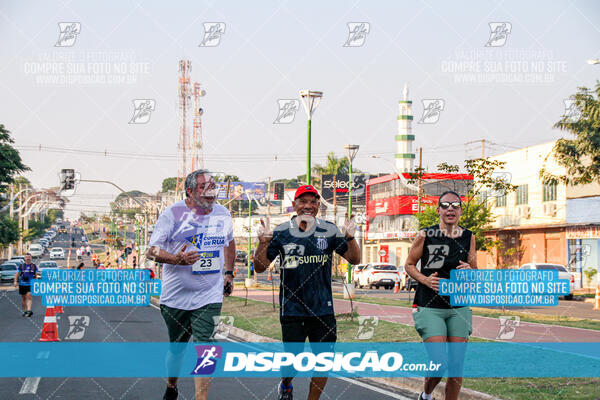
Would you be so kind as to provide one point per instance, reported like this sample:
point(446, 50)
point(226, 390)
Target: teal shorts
point(443, 322)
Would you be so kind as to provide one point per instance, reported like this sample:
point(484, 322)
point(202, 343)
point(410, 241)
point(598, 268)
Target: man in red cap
point(305, 247)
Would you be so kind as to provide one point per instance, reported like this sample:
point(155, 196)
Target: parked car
point(57, 252)
point(19, 260)
point(356, 273)
point(411, 284)
point(563, 273)
point(8, 271)
point(36, 250)
point(241, 256)
point(379, 274)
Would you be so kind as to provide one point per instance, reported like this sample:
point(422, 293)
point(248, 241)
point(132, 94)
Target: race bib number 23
point(209, 263)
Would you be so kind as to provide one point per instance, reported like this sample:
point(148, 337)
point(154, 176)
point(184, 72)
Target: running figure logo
point(142, 110)
point(432, 109)
point(223, 324)
point(207, 359)
point(508, 327)
point(437, 255)
point(357, 33)
point(499, 32)
point(287, 111)
point(212, 34)
point(366, 327)
point(572, 112)
point(77, 326)
point(68, 33)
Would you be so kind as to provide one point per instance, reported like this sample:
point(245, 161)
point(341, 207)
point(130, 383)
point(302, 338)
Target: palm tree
point(334, 166)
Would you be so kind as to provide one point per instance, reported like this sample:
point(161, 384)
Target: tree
point(10, 160)
point(477, 215)
point(579, 156)
point(9, 231)
point(334, 166)
point(168, 184)
point(54, 214)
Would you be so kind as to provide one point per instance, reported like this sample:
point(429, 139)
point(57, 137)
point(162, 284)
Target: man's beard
point(204, 205)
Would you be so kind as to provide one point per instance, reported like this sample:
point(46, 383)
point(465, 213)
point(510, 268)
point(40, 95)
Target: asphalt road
point(137, 324)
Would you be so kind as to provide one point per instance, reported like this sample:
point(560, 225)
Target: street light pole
point(310, 101)
point(352, 149)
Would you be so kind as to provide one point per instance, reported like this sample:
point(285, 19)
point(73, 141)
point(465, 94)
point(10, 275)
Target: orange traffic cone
point(58, 310)
point(396, 287)
point(50, 329)
point(597, 299)
point(269, 276)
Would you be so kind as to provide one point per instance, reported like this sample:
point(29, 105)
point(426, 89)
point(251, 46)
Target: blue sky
point(271, 50)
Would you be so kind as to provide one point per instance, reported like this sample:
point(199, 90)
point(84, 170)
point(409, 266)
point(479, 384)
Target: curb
point(411, 384)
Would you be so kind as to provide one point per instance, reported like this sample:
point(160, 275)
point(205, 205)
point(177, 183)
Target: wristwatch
point(229, 273)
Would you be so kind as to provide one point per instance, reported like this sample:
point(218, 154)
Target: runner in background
point(25, 274)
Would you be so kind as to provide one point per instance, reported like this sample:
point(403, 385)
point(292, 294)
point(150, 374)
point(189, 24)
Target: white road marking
point(30, 385)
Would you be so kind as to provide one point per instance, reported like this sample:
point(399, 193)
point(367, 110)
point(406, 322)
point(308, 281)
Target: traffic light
point(67, 179)
point(278, 191)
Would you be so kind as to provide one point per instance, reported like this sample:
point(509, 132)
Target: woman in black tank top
point(440, 249)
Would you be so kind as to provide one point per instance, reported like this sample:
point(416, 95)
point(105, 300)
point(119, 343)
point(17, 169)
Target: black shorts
point(24, 289)
point(321, 328)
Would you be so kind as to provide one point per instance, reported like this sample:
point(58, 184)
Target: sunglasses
point(446, 205)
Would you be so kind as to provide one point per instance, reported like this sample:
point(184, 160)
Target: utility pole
point(482, 148)
point(10, 213)
point(420, 175)
point(227, 195)
point(482, 142)
point(269, 197)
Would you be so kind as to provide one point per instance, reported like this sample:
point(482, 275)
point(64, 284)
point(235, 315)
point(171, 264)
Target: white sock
point(427, 396)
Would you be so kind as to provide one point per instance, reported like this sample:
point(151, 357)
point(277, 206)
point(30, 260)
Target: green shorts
point(443, 322)
point(200, 323)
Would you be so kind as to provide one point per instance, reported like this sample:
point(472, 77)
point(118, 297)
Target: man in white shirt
point(193, 239)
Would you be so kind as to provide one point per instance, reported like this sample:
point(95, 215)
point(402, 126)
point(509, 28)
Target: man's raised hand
point(349, 228)
point(265, 233)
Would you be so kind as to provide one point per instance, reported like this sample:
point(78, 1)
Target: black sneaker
point(171, 393)
point(286, 394)
point(423, 398)
point(24, 313)
point(29, 313)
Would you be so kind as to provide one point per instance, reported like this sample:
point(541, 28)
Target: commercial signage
point(398, 205)
point(240, 190)
point(342, 187)
point(584, 232)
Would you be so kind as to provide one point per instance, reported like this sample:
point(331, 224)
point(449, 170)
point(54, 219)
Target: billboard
point(359, 186)
point(239, 190)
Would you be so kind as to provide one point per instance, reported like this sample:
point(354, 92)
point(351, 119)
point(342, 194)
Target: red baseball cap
point(306, 189)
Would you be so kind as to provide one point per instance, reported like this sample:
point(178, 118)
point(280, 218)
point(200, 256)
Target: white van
point(36, 250)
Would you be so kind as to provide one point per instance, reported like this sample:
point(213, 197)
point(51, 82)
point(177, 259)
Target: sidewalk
point(483, 327)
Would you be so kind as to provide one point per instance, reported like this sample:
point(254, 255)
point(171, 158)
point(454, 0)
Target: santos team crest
point(321, 243)
point(437, 255)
